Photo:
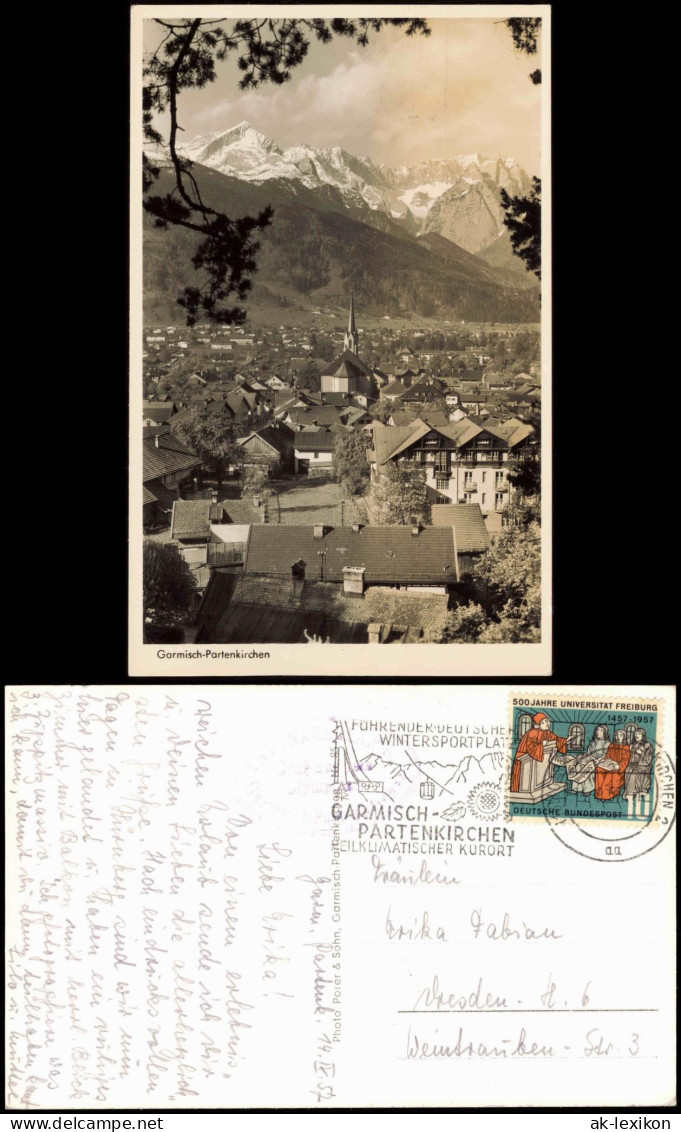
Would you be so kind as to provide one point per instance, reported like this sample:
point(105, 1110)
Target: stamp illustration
point(593, 762)
point(598, 773)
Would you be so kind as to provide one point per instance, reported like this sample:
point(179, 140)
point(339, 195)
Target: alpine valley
point(420, 240)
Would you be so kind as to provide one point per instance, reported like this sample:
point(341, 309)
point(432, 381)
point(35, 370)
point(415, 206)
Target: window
point(629, 732)
point(499, 479)
point(483, 498)
point(524, 725)
point(576, 737)
point(484, 476)
point(315, 455)
point(498, 499)
point(468, 478)
point(442, 483)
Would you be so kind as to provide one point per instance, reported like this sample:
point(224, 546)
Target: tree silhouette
point(266, 50)
point(168, 587)
point(209, 431)
point(522, 215)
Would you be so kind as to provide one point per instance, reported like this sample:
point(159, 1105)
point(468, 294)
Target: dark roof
point(389, 554)
point(347, 364)
point(264, 609)
point(163, 498)
point(434, 417)
point(241, 511)
point(164, 454)
point(158, 411)
point(319, 441)
point(191, 518)
point(395, 389)
point(318, 415)
point(277, 438)
point(344, 399)
point(470, 531)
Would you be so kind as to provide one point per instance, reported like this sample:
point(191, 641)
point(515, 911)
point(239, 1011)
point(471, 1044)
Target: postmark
point(416, 786)
point(596, 771)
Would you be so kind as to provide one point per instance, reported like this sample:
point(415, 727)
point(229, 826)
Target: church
point(347, 374)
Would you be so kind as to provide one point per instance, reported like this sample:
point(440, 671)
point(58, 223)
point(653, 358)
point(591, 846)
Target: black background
point(66, 391)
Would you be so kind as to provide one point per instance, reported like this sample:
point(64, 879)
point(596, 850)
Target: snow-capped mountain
point(457, 197)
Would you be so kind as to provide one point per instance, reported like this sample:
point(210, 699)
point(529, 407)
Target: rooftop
point(249, 609)
point(469, 526)
point(389, 554)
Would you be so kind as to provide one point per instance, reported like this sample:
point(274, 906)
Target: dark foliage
point(525, 33)
point(523, 220)
point(168, 587)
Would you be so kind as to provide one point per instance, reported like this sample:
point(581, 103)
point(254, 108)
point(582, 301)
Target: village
point(323, 481)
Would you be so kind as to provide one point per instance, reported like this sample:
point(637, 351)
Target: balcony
point(224, 555)
point(502, 485)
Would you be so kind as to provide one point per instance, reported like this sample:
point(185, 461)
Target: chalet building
point(168, 466)
point(464, 462)
point(157, 412)
point(359, 584)
point(313, 451)
point(271, 445)
point(347, 373)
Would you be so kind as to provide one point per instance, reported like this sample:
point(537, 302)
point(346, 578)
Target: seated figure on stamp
point(532, 771)
point(581, 770)
point(638, 771)
point(610, 770)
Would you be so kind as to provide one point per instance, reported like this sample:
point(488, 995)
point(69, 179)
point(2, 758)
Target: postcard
point(340, 399)
point(339, 896)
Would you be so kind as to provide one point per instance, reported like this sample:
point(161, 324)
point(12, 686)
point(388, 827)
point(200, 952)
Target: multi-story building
point(464, 462)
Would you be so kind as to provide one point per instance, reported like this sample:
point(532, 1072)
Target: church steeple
point(351, 336)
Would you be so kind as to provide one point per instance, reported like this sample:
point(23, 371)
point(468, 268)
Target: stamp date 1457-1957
point(586, 766)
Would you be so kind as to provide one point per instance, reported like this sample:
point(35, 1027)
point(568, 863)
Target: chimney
point(353, 581)
point(416, 529)
point(319, 530)
point(298, 578)
point(356, 527)
point(374, 631)
point(214, 495)
point(156, 440)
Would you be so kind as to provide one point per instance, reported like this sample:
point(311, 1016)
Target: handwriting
point(419, 929)
point(431, 996)
point(506, 931)
point(385, 875)
point(462, 1046)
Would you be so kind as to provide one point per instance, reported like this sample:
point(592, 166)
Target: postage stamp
point(576, 763)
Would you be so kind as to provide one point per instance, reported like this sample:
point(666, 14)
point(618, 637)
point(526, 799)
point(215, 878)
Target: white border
point(332, 660)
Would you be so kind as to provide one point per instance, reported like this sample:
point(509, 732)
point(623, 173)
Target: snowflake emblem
point(485, 800)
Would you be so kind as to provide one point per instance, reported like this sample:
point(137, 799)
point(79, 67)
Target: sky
point(465, 89)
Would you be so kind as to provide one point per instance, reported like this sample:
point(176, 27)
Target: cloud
point(462, 90)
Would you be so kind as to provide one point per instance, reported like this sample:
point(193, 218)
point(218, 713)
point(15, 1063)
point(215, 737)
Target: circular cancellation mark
point(610, 843)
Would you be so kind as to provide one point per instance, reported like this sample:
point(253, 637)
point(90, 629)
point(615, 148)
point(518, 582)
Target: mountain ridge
point(457, 197)
point(317, 250)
